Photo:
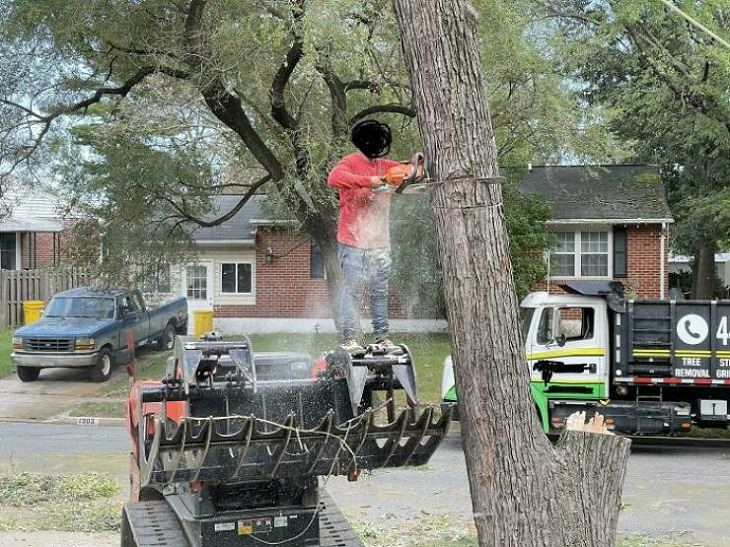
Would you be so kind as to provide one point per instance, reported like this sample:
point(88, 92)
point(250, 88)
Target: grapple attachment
point(237, 427)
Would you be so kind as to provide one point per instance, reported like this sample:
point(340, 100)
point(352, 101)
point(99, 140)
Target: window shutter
point(619, 252)
point(316, 263)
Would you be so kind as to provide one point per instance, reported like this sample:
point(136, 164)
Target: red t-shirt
point(364, 214)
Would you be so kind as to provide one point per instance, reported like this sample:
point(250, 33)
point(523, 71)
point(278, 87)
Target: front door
point(198, 288)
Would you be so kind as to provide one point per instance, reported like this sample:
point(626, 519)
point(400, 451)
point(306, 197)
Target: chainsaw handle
point(418, 160)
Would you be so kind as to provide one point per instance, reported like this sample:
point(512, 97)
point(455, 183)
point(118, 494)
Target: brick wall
point(284, 287)
point(643, 249)
point(643, 261)
point(44, 252)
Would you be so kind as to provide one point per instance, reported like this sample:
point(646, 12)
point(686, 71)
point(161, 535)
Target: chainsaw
point(399, 177)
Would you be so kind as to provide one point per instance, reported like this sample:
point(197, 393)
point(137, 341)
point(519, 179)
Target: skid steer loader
point(228, 449)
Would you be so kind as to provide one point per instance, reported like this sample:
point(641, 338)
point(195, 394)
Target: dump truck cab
point(568, 333)
point(650, 367)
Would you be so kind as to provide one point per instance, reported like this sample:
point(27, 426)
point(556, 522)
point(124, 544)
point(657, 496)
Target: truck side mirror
point(560, 340)
point(130, 315)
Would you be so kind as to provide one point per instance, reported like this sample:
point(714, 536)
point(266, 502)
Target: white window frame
point(577, 251)
point(253, 278)
point(188, 278)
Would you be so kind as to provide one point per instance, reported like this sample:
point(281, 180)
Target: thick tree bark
point(703, 272)
point(524, 491)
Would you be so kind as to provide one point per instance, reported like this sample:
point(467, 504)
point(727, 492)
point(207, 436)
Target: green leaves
point(663, 85)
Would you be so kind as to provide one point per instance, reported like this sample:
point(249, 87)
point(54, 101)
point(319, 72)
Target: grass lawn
point(86, 502)
point(6, 343)
point(429, 351)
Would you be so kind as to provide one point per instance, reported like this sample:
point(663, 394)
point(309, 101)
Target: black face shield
point(372, 138)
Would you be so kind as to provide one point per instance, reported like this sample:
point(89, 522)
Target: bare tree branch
point(278, 107)
point(223, 104)
point(338, 99)
point(383, 108)
point(220, 220)
point(142, 51)
point(360, 84)
point(28, 111)
point(121, 91)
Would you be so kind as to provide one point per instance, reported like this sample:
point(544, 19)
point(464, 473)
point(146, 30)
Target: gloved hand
point(378, 184)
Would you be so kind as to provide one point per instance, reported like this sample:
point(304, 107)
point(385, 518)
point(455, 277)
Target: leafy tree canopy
point(142, 112)
point(664, 87)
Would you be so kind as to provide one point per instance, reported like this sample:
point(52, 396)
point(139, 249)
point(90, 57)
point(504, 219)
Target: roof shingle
point(600, 192)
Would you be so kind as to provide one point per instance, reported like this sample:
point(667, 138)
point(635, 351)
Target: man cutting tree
point(363, 231)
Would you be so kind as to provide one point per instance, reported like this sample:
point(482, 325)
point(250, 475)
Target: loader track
point(151, 524)
point(154, 524)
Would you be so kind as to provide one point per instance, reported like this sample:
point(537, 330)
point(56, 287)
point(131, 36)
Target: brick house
point(30, 229)
point(611, 222)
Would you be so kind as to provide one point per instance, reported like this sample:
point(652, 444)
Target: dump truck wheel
point(167, 340)
point(102, 371)
point(28, 374)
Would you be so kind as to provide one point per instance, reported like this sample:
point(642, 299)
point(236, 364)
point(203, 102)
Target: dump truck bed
point(672, 343)
point(154, 524)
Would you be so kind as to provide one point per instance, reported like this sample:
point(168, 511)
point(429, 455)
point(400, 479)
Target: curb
point(86, 420)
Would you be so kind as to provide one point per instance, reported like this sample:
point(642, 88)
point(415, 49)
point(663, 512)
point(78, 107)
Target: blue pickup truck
point(90, 328)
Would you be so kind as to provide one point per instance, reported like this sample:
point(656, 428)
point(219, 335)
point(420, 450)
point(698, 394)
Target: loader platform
point(154, 524)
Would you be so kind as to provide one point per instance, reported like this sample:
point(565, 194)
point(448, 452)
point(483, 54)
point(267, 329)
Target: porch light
point(269, 257)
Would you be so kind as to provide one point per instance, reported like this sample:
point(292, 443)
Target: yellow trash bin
point(32, 311)
point(203, 321)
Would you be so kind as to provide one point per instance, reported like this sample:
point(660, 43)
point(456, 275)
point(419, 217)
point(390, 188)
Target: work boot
point(353, 347)
point(388, 347)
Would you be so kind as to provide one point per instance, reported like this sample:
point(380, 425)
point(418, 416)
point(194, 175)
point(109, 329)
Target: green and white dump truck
point(651, 367)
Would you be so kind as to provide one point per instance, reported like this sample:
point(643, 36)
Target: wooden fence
point(17, 286)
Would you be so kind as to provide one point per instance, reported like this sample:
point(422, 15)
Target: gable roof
point(604, 193)
point(594, 193)
point(29, 209)
point(240, 228)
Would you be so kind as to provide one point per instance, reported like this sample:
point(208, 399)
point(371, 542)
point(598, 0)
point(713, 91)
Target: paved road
point(677, 494)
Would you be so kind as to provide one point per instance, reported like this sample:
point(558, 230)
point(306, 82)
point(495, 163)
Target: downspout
point(662, 246)
point(18, 251)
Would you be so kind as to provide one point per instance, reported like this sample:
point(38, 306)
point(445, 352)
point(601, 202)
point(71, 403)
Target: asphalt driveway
point(55, 391)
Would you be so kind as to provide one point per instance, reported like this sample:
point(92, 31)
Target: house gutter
point(570, 221)
point(213, 242)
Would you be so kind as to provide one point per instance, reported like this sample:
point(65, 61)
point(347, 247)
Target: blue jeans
point(361, 266)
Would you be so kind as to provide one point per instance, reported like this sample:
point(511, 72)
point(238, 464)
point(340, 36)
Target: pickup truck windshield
point(81, 307)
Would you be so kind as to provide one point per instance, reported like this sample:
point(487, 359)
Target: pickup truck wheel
point(167, 340)
point(28, 374)
point(102, 370)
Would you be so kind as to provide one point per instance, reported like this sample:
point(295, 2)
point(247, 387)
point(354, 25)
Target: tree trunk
point(334, 277)
point(703, 272)
point(524, 491)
